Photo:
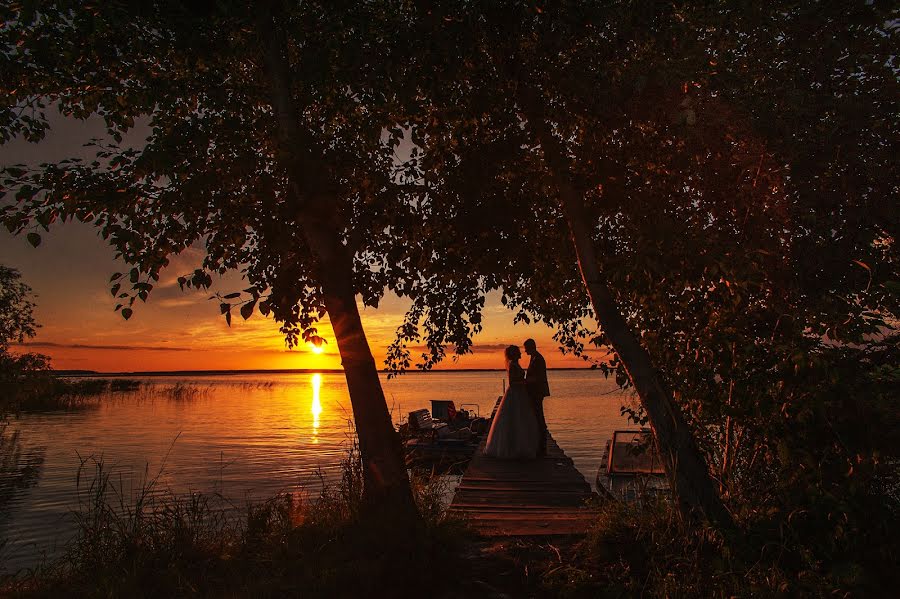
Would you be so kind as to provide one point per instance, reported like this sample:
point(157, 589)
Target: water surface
point(243, 436)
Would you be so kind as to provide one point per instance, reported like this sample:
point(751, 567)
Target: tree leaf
point(247, 309)
point(34, 239)
point(126, 313)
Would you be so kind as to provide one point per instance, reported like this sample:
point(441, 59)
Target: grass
point(156, 544)
point(44, 393)
point(179, 392)
point(49, 393)
point(645, 550)
point(253, 385)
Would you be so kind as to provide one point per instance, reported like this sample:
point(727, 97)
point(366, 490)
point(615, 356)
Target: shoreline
point(151, 373)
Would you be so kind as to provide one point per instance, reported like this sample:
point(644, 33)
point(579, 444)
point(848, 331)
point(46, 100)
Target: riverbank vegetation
point(43, 391)
point(27, 383)
point(156, 544)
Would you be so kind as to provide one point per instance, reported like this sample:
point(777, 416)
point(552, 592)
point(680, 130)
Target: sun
point(316, 349)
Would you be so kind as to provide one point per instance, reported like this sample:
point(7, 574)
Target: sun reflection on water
point(316, 404)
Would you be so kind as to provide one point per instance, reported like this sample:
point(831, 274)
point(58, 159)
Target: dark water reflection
point(20, 465)
point(246, 437)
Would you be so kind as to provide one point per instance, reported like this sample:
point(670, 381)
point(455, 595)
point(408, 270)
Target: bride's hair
point(512, 353)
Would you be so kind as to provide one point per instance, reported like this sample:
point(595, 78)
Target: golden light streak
point(316, 381)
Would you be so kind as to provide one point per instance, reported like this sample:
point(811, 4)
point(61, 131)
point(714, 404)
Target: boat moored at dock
point(631, 467)
point(444, 439)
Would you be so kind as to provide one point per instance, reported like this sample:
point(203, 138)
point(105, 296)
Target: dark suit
point(538, 389)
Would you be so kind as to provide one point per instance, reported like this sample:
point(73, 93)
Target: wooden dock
point(507, 498)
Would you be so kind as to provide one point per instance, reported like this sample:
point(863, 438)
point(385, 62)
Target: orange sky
point(177, 330)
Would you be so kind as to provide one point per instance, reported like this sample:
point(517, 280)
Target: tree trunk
point(385, 484)
point(385, 481)
point(686, 468)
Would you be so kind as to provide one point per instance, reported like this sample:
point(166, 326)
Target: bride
point(514, 432)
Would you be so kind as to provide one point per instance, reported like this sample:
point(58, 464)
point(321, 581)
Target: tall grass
point(45, 393)
point(153, 543)
point(55, 394)
point(646, 550)
point(180, 392)
point(253, 385)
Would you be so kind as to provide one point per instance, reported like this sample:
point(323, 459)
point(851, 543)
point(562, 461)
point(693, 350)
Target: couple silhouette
point(519, 430)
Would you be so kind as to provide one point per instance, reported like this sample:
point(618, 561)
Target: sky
point(175, 330)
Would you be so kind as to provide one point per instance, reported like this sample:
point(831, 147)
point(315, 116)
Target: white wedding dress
point(514, 431)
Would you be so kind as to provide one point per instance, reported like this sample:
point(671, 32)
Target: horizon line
point(83, 372)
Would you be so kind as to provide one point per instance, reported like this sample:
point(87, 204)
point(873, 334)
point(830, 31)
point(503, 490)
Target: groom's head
point(530, 346)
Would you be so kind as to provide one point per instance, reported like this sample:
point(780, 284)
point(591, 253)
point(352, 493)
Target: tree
point(654, 130)
point(21, 374)
point(508, 75)
point(264, 146)
point(16, 309)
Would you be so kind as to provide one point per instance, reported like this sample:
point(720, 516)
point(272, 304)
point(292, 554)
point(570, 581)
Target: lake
point(245, 437)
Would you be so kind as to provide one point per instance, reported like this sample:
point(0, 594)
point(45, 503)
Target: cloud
point(478, 348)
point(180, 302)
point(107, 347)
point(486, 347)
point(173, 348)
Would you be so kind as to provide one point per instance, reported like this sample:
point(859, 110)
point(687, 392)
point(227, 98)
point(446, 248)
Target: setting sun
point(316, 349)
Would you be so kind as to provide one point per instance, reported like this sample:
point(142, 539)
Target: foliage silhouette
point(298, 215)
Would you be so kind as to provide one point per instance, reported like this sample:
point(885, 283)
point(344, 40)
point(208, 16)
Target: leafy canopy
point(208, 173)
point(16, 309)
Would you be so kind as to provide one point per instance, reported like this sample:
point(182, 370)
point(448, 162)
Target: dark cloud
point(54, 345)
point(491, 347)
point(481, 348)
point(499, 347)
point(114, 347)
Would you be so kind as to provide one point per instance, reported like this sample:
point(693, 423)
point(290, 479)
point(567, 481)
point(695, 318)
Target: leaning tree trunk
point(684, 463)
point(686, 468)
point(385, 480)
point(385, 484)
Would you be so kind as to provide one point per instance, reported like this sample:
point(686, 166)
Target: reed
point(43, 392)
point(153, 543)
point(253, 385)
point(184, 392)
point(179, 392)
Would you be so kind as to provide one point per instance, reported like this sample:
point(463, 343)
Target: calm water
point(244, 437)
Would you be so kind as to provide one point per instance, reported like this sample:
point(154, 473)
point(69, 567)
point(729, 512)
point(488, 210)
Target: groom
point(538, 389)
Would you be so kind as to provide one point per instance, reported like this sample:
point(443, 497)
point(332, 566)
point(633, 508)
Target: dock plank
point(542, 497)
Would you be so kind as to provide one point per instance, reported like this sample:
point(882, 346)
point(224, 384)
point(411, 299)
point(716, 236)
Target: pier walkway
point(543, 497)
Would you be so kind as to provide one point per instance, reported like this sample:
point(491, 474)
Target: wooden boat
point(446, 443)
point(631, 467)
